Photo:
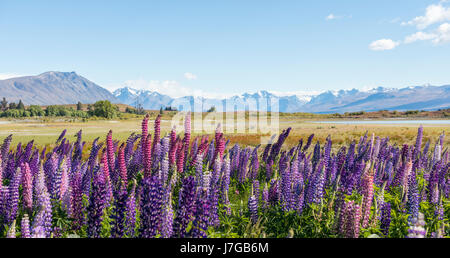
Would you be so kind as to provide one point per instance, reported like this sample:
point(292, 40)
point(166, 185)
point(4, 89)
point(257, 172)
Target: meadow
point(136, 177)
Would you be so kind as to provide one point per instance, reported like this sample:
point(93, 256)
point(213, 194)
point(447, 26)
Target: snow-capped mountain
point(338, 101)
point(69, 88)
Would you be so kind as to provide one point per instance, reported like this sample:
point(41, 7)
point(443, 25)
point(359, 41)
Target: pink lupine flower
point(148, 156)
point(110, 151)
point(27, 186)
point(122, 165)
point(367, 199)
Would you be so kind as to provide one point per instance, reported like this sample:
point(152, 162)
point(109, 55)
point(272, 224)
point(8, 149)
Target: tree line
point(102, 108)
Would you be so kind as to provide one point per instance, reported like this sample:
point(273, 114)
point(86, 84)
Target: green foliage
point(104, 108)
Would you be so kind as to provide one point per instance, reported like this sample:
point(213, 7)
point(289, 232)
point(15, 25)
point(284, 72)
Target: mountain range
point(410, 98)
point(68, 88)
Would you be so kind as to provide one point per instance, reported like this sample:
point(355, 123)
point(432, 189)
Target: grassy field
point(45, 132)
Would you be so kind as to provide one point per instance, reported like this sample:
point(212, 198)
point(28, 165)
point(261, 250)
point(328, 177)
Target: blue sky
point(224, 47)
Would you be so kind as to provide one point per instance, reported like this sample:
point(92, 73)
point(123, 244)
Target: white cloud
point(383, 44)
point(336, 17)
point(419, 36)
point(434, 13)
point(443, 34)
point(439, 36)
point(4, 76)
point(168, 87)
point(330, 17)
point(190, 76)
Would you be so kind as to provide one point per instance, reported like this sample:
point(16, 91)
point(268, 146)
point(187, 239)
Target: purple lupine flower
point(97, 202)
point(200, 223)
point(413, 197)
point(118, 215)
point(253, 208)
point(77, 211)
point(5, 146)
point(167, 219)
point(13, 197)
point(385, 218)
point(164, 170)
point(185, 210)
point(25, 227)
point(42, 222)
point(130, 220)
point(214, 206)
point(150, 206)
point(265, 197)
point(416, 228)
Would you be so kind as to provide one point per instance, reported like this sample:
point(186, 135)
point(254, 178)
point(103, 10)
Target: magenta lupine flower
point(180, 157)
point(25, 227)
point(367, 199)
point(110, 153)
point(64, 179)
point(27, 186)
point(172, 146)
point(104, 169)
point(122, 166)
point(157, 132)
point(148, 157)
point(187, 137)
point(144, 130)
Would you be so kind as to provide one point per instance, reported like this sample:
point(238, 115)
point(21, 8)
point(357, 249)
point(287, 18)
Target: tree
point(12, 105)
point(4, 104)
point(79, 106)
point(212, 109)
point(36, 110)
point(20, 106)
point(104, 108)
point(161, 110)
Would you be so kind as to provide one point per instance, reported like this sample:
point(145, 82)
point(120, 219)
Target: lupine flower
point(130, 220)
point(27, 186)
point(167, 219)
point(122, 166)
point(385, 218)
point(186, 204)
point(253, 208)
point(97, 203)
point(416, 228)
point(118, 216)
point(25, 227)
point(150, 206)
point(201, 218)
point(42, 222)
